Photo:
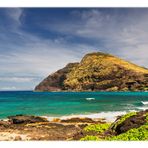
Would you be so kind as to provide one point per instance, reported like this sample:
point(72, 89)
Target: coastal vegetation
point(99, 128)
point(135, 134)
point(134, 125)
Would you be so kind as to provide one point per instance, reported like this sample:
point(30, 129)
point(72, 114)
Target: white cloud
point(17, 79)
point(8, 88)
point(39, 57)
point(124, 35)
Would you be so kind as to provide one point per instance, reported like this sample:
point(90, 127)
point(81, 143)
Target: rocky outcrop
point(97, 72)
point(23, 127)
point(134, 121)
point(19, 119)
point(55, 81)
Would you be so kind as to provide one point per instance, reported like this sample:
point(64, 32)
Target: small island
point(97, 72)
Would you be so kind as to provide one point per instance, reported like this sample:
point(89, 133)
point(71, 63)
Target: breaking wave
point(144, 102)
point(89, 99)
point(107, 116)
point(143, 108)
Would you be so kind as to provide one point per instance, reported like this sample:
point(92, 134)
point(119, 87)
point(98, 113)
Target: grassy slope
point(97, 65)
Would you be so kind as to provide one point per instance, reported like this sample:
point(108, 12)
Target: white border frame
point(73, 3)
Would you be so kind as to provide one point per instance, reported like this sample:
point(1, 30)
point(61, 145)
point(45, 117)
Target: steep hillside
point(55, 81)
point(97, 72)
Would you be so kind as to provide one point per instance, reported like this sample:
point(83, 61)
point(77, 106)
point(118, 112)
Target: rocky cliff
point(97, 72)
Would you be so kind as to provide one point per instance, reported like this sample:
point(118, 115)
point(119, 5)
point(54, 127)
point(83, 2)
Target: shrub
point(100, 128)
point(146, 117)
point(135, 134)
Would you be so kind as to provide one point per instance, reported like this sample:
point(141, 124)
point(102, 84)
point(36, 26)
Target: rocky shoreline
point(30, 128)
point(21, 127)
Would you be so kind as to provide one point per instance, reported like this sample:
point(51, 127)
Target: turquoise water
point(68, 103)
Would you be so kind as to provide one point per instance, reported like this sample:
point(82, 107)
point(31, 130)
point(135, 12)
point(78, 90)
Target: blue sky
point(35, 42)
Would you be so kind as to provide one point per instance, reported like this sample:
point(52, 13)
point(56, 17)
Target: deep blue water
point(67, 103)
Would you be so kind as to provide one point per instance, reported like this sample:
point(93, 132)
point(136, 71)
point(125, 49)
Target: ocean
point(64, 104)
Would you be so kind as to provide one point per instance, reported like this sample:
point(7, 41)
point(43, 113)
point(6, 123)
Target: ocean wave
point(108, 116)
point(89, 99)
point(129, 107)
point(143, 108)
point(144, 102)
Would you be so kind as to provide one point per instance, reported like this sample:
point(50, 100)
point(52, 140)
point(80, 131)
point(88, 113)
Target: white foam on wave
point(144, 102)
point(143, 108)
point(89, 99)
point(108, 116)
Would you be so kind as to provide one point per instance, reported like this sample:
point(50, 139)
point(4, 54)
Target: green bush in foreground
point(100, 128)
point(90, 138)
point(135, 134)
point(146, 117)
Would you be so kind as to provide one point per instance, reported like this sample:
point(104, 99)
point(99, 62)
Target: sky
point(35, 42)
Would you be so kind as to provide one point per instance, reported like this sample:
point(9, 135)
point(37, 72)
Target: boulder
point(19, 119)
point(131, 122)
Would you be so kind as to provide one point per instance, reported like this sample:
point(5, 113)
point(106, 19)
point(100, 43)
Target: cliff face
point(97, 72)
point(55, 81)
